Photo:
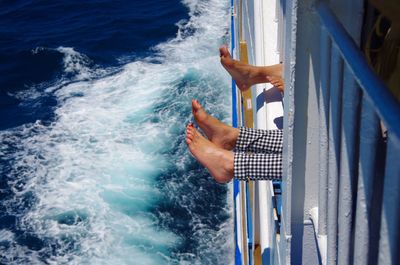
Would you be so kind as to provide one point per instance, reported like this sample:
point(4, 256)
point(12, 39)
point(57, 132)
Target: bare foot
point(246, 75)
point(217, 132)
point(277, 82)
point(218, 161)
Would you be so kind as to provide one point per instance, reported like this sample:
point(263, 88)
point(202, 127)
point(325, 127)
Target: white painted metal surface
point(390, 216)
point(341, 184)
point(334, 122)
point(321, 239)
point(265, 53)
point(259, 30)
point(239, 234)
point(354, 220)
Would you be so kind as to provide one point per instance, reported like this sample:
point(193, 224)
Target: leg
point(249, 166)
point(223, 165)
point(246, 75)
point(243, 139)
point(259, 141)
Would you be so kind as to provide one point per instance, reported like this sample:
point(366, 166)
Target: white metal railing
point(266, 53)
point(256, 24)
point(357, 199)
point(339, 171)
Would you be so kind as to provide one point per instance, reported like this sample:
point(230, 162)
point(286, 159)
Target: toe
point(189, 136)
point(195, 105)
point(189, 130)
point(223, 51)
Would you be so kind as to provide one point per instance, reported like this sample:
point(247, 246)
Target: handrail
point(386, 106)
point(234, 103)
point(238, 236)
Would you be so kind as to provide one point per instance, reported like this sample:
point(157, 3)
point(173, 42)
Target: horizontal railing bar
point(384, 103)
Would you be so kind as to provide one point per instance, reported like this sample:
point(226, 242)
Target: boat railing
point(342, 138)
point(254, 40)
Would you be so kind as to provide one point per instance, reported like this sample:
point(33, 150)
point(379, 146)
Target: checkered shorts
point(258, 154)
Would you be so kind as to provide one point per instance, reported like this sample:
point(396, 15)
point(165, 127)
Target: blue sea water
point(94, 98)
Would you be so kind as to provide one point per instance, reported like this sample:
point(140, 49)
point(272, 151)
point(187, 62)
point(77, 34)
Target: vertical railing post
point(385, 104)
point(348, 166)
point(289, 62)
point(390, 219)
point(363, 220)
point(323, 102)
point(334, 152)
point(369, 134)
point(323, 108)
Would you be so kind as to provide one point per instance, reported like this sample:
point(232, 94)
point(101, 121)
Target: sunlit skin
point(277, 82)
point(246, 75)
point(215, 152)
point(217, 132)
point(218, 161)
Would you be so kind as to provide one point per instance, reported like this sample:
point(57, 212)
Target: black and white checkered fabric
point(259, 141)
point(252, 166)
point(258, 155)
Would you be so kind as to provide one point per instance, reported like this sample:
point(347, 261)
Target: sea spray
point(110, 180)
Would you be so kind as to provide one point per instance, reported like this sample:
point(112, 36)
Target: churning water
point(105, 176)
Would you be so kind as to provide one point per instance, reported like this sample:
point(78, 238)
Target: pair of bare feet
point(246, 75)
point(215, 152)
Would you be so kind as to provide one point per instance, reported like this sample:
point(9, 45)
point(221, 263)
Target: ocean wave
point(110, 180)
point(76, 66)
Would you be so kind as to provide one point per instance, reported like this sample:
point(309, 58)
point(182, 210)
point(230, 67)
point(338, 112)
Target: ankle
point(228, 158)
point(233, 136)
point(258, 76)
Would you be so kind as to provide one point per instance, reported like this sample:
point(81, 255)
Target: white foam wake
point(94, 170)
